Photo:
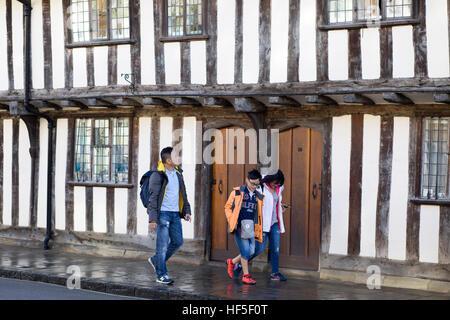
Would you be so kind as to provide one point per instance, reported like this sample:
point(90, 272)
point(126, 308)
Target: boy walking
point(244, 213)
point(168, 203)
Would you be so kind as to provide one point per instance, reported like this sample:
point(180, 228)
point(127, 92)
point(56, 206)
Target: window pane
point(340, 11)
point(120, 19)
point(368, 9)
point(398, 8)
point(101, 150)
point(175, 18)
point(99, 22)
point(435, 158)
point(82, 165)
point(194, 17)
point(120, 150)
point(79, 14)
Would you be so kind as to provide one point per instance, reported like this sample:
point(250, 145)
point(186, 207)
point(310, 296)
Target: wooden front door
point(301, 162)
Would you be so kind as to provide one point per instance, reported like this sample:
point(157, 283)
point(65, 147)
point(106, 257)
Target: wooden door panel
point(316, 198)
point(285, 140)
point(300, 191)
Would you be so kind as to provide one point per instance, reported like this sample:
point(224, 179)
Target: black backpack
point(145, 188)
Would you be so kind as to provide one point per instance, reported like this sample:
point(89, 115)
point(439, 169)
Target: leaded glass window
point(435, 158)
point(102, 150)
point(94, 20)
point(368, 10)
point(398, 8)
point(184, 18)
point(340, 11)
point(348, 11)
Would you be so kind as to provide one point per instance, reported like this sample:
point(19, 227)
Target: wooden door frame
point(323, 125)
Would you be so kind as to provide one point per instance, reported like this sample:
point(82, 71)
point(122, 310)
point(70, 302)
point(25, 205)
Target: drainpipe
point(51, 123)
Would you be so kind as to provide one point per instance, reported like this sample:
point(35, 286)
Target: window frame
point(108, 40)
point(110, 183)
point(363, 23)
point(165, 30)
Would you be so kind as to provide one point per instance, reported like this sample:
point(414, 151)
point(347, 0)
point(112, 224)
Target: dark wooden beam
point(216, 102)
point(283, 101)
point(386, 55)
point(322, 100)
point(248, 105)
point(397, 98)
point(420, 41)
point(357, 99)
point(182, 101)
point(72, 104)
point(127, 102)
point(42, 104)
point(158, 9)
point(239, 40)
point(264, 40)
point(384, 187)
point(93, 102)
point(442, 98)
point(155, 102)
point(211, 44)
point(294, 45)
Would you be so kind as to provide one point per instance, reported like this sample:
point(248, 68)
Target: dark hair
point(254, 174)
point(277, 177)
point(166, 154)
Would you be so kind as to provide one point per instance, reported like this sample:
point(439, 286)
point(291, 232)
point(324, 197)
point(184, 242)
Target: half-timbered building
point(91, 90)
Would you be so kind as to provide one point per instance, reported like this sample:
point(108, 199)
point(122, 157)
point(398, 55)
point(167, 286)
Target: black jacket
point(157, 188)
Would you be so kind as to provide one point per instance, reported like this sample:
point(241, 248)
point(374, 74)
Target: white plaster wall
point(99, 209)
point(43, 162)
point(101, 66)
point(143, 166)
point(226, 16)
point(250, 67)
point(172, 62)
point(402, 52)
point(429, 234)
point(60, 173)
point(147, 43)
point(189, 150)
point(370, 53)
point(57, 21)
point(120, 210)
point(198, 62)
point(369, 183)
point(437, 38)
point(338, 55)
point(399, 190)
point(7, 171)
point(3, 48)
point(308, 63)
point(123, 63)
point(17, 38)
point(79, 67)
point(24, 175)
point(79, 208)
point(37, 38)
point(165, 132)
point(340, 180)
point(279, 40)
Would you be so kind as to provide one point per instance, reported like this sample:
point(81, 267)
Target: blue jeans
point(246, 246)
point(274, 246)
point(169, 228)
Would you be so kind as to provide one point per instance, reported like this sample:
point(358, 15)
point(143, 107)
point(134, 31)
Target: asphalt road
point(11, 289)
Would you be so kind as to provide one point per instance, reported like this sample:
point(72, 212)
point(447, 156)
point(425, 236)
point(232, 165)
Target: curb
point(128, 290)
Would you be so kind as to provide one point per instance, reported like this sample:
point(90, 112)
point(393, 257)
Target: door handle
point(220, 187)
point(314, 191)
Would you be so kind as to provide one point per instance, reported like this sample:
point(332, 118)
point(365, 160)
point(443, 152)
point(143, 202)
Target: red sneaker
point(230, 265)
point(247, 279)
